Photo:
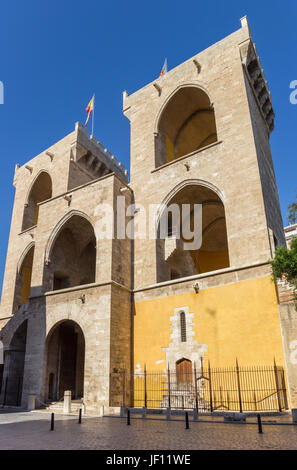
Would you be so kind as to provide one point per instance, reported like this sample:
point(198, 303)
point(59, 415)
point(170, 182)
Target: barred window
point(183, 330)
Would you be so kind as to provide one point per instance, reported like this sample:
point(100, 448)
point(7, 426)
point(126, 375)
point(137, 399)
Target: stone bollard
point(168, 413)
point(143, 412)
point(294, 415)
point(67, 402)
point(195, 414)
point(31, 401)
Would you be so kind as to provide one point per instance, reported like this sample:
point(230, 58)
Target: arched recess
point(174, 259)
point(23, 277)
point(65, 360)
point(70, 258)
point(14, 366)
point(186, 124)
point(53, 236)
point(41, 190)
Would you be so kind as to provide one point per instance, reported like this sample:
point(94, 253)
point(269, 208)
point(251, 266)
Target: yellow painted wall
point(36, 213)
point(237, 320)
point(212, 260)
point(170, 149)
point(26, 284)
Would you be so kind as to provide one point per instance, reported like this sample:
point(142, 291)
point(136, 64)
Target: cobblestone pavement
point(23, 430)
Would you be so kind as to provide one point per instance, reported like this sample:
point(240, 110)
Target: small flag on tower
point(90, 108)
point(164, 68)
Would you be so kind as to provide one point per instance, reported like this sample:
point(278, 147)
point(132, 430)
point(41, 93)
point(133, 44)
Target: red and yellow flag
point(89, 109)
point(164, 68)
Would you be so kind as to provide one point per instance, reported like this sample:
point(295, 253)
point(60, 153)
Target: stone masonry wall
point(229, 166)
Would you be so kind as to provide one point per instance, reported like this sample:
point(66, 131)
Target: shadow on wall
point(23, 279)
point(40, 191)
point(14, 364)
point(72, 256)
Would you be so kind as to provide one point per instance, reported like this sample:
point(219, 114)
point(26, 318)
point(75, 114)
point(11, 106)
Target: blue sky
point(55, 54)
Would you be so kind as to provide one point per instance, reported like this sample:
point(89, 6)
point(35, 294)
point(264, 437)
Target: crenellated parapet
point(92, 157)
point(256, 77)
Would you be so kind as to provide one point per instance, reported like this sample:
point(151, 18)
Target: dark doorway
point(1, 376)
point(65, 361)
point(14, 364)
point(51, 386)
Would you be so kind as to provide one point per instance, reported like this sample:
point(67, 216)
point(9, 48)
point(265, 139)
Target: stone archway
point(40, 191)
point(65, 361)
point(186, 124)
point(14, 364)
point(23, 278)
point(174, 259)
point(70, 258)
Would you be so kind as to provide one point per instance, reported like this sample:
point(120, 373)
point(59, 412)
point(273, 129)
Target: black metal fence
point(259, 388)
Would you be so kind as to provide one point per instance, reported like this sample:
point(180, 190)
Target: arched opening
point(65, 361)
point(187, 123)
point(174, 259)
point(184, 372)
point(40, 191)
point(23, 280)
point(73, 256)
point(14, 367)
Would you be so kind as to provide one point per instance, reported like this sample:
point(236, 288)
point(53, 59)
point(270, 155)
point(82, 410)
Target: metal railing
point(258, 388)
point(207, 389)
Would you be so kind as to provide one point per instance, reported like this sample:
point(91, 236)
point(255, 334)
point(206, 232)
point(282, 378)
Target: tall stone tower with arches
point(79, 310)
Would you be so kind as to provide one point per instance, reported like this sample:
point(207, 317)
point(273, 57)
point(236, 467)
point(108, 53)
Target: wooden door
point(184, 372)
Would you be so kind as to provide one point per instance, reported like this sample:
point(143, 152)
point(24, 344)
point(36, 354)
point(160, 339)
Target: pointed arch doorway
point(65, 361)
point(184, 372)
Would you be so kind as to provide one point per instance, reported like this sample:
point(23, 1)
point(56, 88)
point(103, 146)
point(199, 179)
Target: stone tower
point(208, 122)
point(83, 312)
point(200, 135)
point(66, 297)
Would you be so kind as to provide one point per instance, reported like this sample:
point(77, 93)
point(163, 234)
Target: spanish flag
point(90, 108)
point(164, 68)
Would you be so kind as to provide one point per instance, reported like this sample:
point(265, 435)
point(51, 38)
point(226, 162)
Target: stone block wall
point(230, 166)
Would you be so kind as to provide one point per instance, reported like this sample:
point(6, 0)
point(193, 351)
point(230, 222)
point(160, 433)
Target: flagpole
point(93, 115)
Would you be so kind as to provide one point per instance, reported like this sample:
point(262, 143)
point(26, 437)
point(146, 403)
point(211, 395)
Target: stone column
point(67, 402)
point(31, 401)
